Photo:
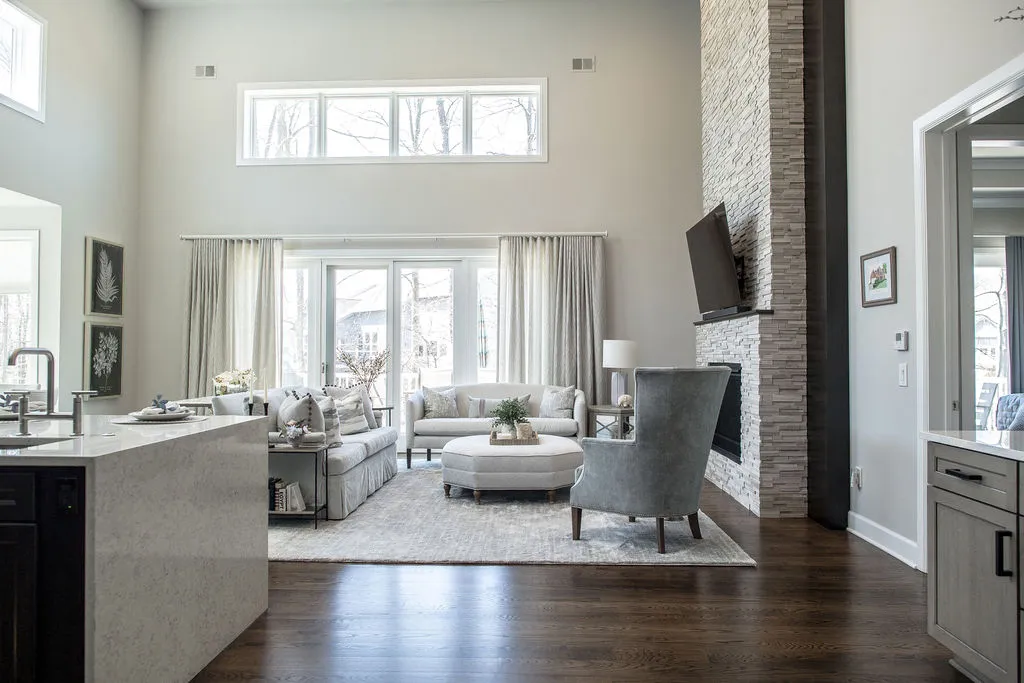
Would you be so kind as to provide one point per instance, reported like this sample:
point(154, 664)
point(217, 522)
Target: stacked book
point(285, 497)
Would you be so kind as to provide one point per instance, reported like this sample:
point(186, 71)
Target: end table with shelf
point(616, 428)
point(319, 473)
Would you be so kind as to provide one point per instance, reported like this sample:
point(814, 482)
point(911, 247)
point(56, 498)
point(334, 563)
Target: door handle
point(1001, 569)
point(960, 474)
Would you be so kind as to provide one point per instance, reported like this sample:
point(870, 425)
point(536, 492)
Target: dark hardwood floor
point(821, 606)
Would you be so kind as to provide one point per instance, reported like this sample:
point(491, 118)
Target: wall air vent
point(206, 71)
point(584, 64)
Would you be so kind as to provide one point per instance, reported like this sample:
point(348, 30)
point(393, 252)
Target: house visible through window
point(19, 302)
point(22, 59)
point(408, 121)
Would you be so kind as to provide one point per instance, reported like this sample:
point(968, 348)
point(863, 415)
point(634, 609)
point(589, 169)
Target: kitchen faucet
point(24, 416)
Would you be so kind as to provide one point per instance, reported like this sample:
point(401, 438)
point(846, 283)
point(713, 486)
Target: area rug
point(409, 521)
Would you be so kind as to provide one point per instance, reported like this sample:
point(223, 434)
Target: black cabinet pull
point(1001, 569)
point(960, 474)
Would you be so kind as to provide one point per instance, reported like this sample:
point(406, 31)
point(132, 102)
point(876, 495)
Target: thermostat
point(902, 341)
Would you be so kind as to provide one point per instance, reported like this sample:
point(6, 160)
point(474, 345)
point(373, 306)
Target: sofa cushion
point(467, 426)
point(235, 404)
point(483, 407)
point(359, 447)
point(301, 409)
point(351, 414)
point(275, 397)
point(337, 392)
point(453, 426)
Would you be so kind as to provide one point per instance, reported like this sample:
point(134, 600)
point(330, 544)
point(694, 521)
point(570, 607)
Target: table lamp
point(619, 354)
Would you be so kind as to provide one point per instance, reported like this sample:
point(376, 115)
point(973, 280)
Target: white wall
point(624, 143)
point(84, 158)
point(904, 57)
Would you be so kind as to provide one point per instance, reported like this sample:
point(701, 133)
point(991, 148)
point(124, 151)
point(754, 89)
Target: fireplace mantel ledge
point(745, 314)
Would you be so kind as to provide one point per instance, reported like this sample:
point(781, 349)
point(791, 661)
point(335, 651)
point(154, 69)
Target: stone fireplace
point(753, 160)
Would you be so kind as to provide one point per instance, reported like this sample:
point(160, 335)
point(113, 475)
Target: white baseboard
point(900, 547)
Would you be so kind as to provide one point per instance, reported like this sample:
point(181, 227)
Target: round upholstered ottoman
point(471, 462)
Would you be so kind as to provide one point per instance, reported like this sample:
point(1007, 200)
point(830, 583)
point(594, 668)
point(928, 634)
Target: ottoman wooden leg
point(408, 458)
point(428, 455)
point(447, 490)
point(577, 521)
point(551, 495)
point(476, 495)
point(661, 535)
point(632, 518)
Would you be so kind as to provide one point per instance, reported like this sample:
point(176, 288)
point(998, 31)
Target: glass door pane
point(487, 324)
point(360, 298)
point(991, 335)
point(427, 328)
point(295, 297)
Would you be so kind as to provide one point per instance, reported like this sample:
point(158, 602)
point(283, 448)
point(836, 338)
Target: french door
point(437, 317)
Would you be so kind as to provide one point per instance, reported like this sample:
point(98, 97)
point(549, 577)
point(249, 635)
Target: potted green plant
point(509, 414)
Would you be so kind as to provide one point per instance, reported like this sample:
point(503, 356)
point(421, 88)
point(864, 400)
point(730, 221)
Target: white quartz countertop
point(101, 438)
point(1003, 444)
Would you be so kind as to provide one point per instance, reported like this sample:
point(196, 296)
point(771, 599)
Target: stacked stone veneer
point(753, 158)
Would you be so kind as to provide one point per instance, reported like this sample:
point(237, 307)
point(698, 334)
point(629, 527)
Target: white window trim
point(416, 87)
point(11, 103)
point(35, 238)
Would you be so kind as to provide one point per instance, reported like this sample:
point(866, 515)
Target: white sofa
point(357, 468)
point(421, 432)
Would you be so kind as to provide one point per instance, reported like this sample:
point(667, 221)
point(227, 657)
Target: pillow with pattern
point(439, 403)
point(337, 392)
point(351, 414)
point(558, 401)
point(301, 409)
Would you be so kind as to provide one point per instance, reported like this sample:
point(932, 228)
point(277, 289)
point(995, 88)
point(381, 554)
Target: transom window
point(392, 122)
point(22, 59)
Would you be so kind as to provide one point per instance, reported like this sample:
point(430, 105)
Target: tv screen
point(713, 262)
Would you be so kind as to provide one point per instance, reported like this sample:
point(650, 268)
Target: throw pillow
point(351, 414)
point(332, 425)
point(301, 409)
point(337, 392)
point(439, 403)
point(483, 407)
point(1017, 423)
point(558, 402)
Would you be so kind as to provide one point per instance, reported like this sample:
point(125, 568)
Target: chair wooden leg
point(577, 522)
point(476, 495)
point(428, 455)
point(695, 526)
point(408, 458)
point(632, 518)
point(551, 495)
point(447, 490)
point(661, 535)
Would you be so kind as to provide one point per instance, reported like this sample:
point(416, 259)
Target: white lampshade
point(619, 353)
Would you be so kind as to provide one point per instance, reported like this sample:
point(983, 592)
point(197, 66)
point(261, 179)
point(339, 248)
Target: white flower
point(104, 356)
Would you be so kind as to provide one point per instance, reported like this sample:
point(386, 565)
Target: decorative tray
point(532, 441)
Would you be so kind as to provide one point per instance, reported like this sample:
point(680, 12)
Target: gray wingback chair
point(660, 473)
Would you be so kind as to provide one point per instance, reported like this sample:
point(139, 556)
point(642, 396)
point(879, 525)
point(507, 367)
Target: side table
point(319, 473)
point(617, 428)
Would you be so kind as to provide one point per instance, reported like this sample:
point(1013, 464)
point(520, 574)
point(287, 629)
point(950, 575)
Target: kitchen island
point(140, 551)
point(975, 518)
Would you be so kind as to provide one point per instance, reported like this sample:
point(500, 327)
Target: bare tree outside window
point(505, 125)
point(285, 127)
point(17, 306)
point(295, 320)
point(6, 57)
point(358, 126)
point(991, 329)
point(430, 126)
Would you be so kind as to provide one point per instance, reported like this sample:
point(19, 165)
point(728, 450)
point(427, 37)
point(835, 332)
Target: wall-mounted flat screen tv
point(713, 262)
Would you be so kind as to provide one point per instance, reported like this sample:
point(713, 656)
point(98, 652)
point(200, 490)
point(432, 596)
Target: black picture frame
point(104, 358)
point(104, 278)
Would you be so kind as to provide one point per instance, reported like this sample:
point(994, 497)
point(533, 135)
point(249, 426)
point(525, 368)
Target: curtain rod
point(397, 236)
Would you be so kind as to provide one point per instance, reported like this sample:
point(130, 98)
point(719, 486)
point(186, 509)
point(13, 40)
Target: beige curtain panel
point(233, 314)
point(551, 311)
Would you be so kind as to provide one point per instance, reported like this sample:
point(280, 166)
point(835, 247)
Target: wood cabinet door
point(17, 602)
point(972, 583)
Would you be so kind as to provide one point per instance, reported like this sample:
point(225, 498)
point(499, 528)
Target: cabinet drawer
point(977, 476)
point(17, 497)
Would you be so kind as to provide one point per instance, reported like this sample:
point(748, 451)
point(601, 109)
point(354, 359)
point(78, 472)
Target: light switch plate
point(903, 380)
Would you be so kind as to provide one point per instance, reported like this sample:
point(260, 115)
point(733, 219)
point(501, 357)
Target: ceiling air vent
point(206, 71)
point(584, 64)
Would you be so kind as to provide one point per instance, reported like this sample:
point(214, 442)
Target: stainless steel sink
point(29, 441)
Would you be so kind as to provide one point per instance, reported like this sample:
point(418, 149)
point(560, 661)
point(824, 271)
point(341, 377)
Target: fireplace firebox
point(727, 431)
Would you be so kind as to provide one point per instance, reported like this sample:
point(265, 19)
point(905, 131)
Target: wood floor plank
point(820, 606)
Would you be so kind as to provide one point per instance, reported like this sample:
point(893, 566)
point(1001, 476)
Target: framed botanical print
point(104, 358)
point(104, 277)
point(878, 278)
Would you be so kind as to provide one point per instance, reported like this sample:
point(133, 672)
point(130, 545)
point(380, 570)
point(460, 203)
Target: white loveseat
point(356, 468)
point(421, 432)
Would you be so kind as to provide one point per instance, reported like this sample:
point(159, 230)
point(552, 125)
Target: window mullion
point(467, 124)
point(395, 114)
point(321, 125)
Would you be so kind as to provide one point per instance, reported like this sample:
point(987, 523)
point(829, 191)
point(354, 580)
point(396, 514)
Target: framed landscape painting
point(104, 358)
point(104, 277)
point(878, 278)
